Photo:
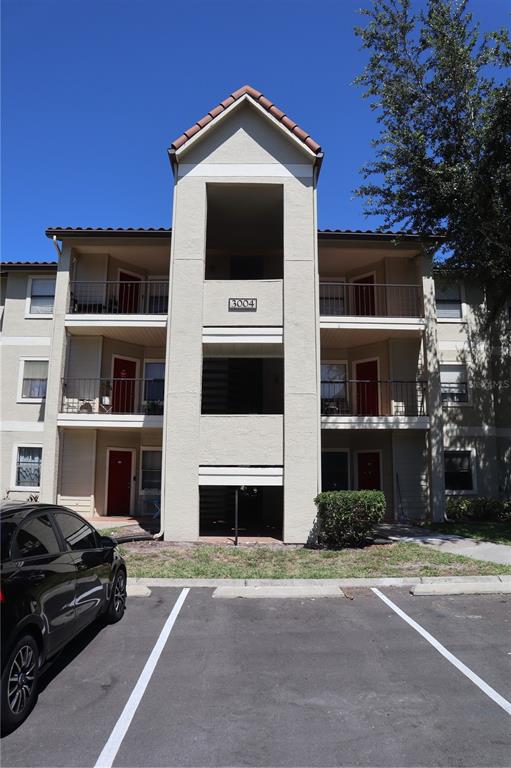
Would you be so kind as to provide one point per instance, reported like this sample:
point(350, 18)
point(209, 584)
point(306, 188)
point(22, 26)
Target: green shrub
point(346, 518)
point(477, 508)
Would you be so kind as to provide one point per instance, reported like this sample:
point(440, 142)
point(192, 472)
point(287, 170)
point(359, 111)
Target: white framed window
point(40, 296)
point(334, 387)
point(454, 383)
point(27, 467)
point(449, 302)
point(33, 379)
point(459, 470)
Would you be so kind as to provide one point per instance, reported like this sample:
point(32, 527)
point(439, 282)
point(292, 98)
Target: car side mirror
point(107, 542)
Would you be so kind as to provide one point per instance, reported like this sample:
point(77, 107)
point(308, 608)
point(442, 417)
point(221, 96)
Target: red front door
point(124, 385)
point(119, 482)
point(129, 293)
point(369, 478)
point(364, 298)
point(366, 375)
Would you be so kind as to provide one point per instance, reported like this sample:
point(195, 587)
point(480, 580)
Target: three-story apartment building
point(150, 372)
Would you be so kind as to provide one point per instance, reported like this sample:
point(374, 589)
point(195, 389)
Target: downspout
point(55, 243)
point(161, 532)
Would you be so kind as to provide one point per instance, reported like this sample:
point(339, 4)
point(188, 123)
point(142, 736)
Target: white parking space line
point(109, 752)
point(484, 687)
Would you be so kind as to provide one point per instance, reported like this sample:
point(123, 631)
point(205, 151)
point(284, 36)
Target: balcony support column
point(56, 365)
point(432, 367)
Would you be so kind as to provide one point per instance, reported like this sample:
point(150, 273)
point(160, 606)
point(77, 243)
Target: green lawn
point(155, 559)
point(500, 533)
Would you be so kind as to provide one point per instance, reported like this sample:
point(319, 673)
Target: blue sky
point(94, 91)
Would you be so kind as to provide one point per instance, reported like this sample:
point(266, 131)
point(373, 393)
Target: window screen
point(453, 378)
point(448, 300)
point(35, 376)
point(42, 296)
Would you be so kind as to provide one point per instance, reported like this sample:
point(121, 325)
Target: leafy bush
point(480, 508)
point(346, 518)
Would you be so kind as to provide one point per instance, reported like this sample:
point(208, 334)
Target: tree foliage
point(442, 160)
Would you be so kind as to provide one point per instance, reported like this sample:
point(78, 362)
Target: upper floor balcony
point(374, 404)
point(366, 304)
point(119, 401)
point(119, 297)
point(120, 305)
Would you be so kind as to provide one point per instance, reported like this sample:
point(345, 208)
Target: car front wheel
point(19, 683)
point(117, 604)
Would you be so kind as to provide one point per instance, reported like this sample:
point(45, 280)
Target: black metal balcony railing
point(118, 297)
point(370, 300)
point(373, 398)
point(107, 396)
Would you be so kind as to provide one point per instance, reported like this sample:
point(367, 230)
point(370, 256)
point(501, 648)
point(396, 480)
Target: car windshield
point(7, 528)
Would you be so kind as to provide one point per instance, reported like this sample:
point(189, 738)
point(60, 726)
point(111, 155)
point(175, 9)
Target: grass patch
point(499, 533)
point(155, 559)
point(112, 531)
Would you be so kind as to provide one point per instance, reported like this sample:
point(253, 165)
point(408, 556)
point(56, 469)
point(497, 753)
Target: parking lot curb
point(471, 588)
point(496, 581)
point(304, 591)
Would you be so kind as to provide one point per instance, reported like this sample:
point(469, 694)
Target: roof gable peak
point(259, 99)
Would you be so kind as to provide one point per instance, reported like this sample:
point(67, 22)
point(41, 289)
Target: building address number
point(242, 305)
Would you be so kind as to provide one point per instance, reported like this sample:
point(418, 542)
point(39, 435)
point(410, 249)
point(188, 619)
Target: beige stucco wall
point(244, 137)
point(216, 301)
point(241, 440)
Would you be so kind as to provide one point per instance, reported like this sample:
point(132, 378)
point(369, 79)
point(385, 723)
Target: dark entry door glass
point(334, 471)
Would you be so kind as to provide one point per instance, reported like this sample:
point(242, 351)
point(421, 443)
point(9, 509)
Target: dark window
point(77, 533)
point(7, 528)
point(334, 471)
point(36, 538)
point(151, 470)
point(458, 471)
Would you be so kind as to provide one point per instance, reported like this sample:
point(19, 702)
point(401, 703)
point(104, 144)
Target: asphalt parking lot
point(298, 682)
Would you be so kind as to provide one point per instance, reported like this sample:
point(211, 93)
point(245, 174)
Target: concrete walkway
point(453, 545)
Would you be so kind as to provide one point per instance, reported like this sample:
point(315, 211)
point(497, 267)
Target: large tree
point(442, 159)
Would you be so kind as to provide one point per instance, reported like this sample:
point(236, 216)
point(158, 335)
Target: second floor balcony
point(373, 398)
point(364, 299)
point(119, 297)
point(113, 396)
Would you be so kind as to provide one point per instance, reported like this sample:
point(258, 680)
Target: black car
point(58, 575)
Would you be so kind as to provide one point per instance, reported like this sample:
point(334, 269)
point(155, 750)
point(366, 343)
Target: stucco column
point(432, 367)
point(184, 363)
point(56, 369)
point(301, 402)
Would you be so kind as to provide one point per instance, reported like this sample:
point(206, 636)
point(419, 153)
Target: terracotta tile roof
point(28, 264)
point(270, 107)
point(108, 231)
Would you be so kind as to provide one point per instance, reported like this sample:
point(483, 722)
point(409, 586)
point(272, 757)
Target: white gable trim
point(246, 170)
point(216, 120)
